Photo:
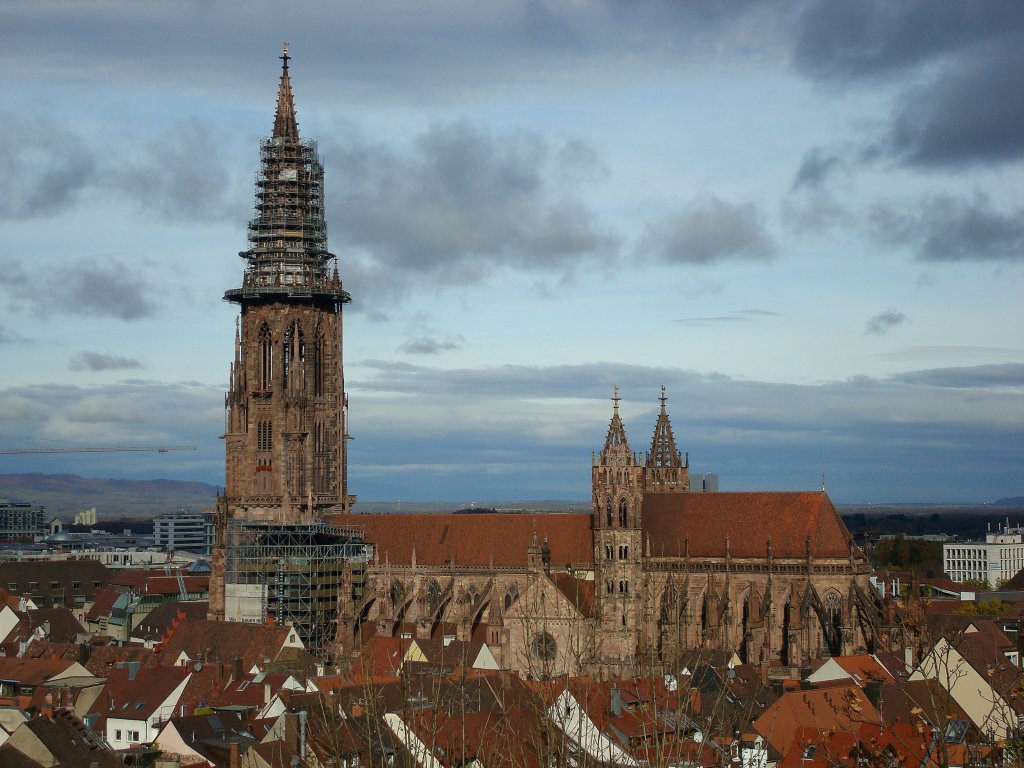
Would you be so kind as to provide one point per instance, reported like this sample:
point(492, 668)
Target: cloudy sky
point(805, 219)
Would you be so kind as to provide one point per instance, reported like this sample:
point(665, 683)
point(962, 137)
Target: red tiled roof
point(579, 592)
point(224, 641)
point(749, 520)
point(838, 708)
point(32, 671)
point(473, 539)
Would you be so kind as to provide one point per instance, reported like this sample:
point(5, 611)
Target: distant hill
point(1010, 501)
point(66, 495)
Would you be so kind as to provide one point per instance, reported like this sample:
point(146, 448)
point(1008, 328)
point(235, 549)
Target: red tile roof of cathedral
point(748, 520)
point(472, 539)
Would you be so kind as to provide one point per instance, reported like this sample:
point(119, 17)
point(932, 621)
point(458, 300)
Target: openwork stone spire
point(616, 446)
point(287, 253)
point(663, 446)
point(285, 125)
point(666, 469)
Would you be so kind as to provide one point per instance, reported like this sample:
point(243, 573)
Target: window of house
point(97, 584)
point(117, 735)
point(54, 585)
point(76, 585)
point(33, 585)
point(133, 735)
point(12, 586)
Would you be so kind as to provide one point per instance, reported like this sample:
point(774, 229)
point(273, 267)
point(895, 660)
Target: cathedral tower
point(618, 485)
point(286, 407)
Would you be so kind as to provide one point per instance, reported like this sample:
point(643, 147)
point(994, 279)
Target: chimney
point(233, 756)
point(616, 702)
point(236, 670)
point(266, 693)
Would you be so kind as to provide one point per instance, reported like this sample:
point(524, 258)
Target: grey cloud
point(182, 175)
point(858, 39)
point(89, 287)
point(944, 228)
point(457, 206)
point(96, 361)
point(884, 322)
point(425, 345)
point(737, 315)
point(959, 68)
point(7, 336)
point(44, 166)
point(110, 289)
point(994, 376)
point(125, 413)
point(708, 231)
point(972, 113)
point(815, 169)
point(500, 425)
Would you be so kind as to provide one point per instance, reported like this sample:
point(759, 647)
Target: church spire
point(285, 125)
point(663, 445)
point(616, 442)
point(666, 470)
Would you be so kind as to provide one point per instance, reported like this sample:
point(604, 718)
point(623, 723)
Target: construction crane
point(100, 449)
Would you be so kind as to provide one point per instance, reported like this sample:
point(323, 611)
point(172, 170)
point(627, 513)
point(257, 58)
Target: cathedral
point(653, 570)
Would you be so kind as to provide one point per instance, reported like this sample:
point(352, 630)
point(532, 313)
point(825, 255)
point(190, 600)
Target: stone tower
point(286, 407)
point(274, 557)
point(618, 487)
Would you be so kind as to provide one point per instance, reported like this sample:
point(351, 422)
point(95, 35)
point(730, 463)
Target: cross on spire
point(284, 57)
point(615, 399)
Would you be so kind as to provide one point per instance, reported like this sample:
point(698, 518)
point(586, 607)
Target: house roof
point(70, 744)
point(32, 671)
point(156, 623)
point(132, 693)
point(474, 539)
point(224, 641)
point(839, 708)
point(701, 523)
point(103, 603)
point(64, 627)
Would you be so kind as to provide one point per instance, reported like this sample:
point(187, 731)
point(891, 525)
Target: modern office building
point(999, 557)
point(184, 530)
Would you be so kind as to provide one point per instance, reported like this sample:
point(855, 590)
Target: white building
point(1000, 556)
point(192, 531)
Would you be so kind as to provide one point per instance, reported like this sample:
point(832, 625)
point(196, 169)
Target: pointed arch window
point(623, 513)
point(319, 353)
point(264, 343)
point(608, 510)
point(293, 352)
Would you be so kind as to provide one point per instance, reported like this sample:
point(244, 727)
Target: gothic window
point(625, 553)
point(833, 605)
point(264, 435)
point(473, 592)
point(609, 586)
point(627, 587)
point(510, 596)
point(265, 374)
point(433, 594)
point(319, 352)
point(397, 592)
point(293, 352)
point(607, 551)
point(608, 509)
point(544, 647)
point(623, 513)
point(622, 587)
